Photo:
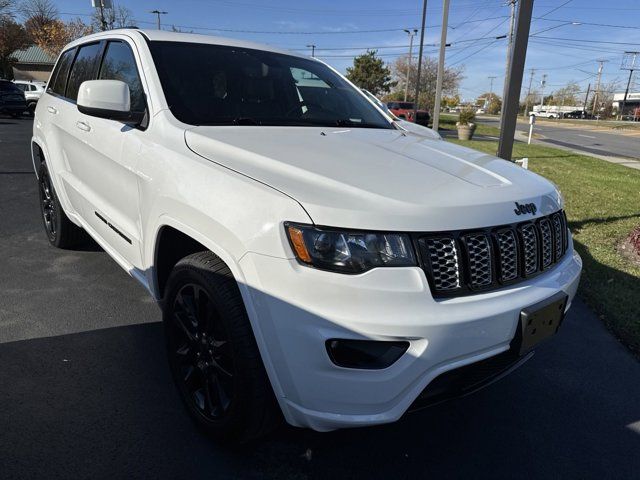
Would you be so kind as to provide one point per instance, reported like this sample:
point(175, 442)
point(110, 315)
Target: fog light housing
point(365, 354)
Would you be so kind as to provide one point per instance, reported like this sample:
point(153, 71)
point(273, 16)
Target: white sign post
point(532, 121)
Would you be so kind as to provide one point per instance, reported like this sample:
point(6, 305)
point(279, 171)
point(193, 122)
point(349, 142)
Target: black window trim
point(52, 81)
point(102, 44)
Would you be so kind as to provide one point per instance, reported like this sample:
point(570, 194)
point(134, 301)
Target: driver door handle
point(83, 126)
point(52, 110)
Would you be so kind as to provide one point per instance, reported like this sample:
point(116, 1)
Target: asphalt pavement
point(587, 140)
point(85, 391)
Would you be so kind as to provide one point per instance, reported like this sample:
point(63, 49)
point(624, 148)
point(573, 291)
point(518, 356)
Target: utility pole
point(488, 102)
point(101, 5)
point(595, 97)
point(586, 99)
point(158, 13)
point(511, 101)
point(526, 100)
point(417, 99)
point(443, 45)
point(411, 33)
point(628, 65)
point(512, 3)
point(543, 82)
point(313, 49)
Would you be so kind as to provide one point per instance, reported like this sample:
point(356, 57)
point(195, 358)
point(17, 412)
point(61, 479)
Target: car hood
point(378, 179)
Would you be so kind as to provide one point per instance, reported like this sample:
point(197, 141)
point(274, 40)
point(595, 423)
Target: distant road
point(583, 139)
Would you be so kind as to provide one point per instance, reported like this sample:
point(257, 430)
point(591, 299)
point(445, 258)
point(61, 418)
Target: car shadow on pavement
point(101, 404)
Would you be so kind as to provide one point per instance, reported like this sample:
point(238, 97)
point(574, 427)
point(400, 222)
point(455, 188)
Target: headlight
point(349, 251)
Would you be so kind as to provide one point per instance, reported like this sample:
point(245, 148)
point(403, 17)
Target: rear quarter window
point(58, 81)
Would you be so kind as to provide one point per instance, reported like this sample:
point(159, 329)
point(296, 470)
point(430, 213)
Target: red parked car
point(404, 110)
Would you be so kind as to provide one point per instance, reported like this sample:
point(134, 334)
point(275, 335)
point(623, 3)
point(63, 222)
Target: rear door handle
point(52, 110)
point(83, 126)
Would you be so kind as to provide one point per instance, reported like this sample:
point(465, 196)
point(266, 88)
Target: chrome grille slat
point(558, 237)
point(492, 256)
point(530, 248)
point(479, 251)
point(508, 249)
point(443, 256)
point(547, 243)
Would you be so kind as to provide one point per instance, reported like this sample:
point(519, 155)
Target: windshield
point(222, 85)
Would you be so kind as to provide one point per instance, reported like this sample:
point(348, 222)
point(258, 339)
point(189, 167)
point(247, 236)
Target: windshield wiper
point(245, 121)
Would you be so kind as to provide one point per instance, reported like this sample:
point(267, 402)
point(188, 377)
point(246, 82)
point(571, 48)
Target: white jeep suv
point(311, 258)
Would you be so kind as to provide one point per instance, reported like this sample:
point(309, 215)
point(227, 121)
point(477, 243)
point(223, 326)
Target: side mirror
point(108, 99)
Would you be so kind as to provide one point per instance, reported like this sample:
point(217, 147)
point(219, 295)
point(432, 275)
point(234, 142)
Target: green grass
point(603, 206)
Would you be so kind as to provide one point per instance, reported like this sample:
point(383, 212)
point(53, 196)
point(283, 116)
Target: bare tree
point(7, 8)
point(451, 80)
point(38, 12)
point(117, 17)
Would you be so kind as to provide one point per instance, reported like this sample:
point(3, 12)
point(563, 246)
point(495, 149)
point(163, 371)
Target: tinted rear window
point(60, 74)
point(84, 68)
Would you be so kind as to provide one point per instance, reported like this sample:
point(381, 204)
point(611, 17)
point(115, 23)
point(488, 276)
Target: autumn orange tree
point(55, 34)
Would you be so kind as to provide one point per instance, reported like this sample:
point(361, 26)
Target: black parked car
point(12, 99)
point(576, 114)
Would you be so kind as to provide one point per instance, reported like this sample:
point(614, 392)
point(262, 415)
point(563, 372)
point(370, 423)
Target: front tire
point(61, 232)
point(213, 355)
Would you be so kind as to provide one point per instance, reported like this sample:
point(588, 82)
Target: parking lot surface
point(85, 391)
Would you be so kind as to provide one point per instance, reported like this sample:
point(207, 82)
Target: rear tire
point(212, 353)
point(61, 232)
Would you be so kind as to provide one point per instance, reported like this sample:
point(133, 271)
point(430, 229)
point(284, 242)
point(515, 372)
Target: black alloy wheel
point(48, 205)
point(201, 355)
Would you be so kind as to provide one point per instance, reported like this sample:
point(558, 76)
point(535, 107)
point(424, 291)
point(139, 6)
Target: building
point(631, 105)
point(33, 63)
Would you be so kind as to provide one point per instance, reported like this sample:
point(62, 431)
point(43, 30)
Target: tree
point(53, 36)
point(12, 37)
point(492, 101)
point(118, 16)
point(370, 72)
point(428, 76)
point(450, 101)
point(567, 95)
point(37, 13)
point(7, 8)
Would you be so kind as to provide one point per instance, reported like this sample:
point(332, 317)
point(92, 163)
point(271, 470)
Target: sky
point(567, 37)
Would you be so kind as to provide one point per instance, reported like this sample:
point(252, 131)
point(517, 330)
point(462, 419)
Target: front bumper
point(295, 309)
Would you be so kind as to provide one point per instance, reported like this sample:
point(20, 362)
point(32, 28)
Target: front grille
point(464, 262)
point(443, 258)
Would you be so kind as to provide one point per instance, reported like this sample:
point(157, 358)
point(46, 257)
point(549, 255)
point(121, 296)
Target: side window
point(84, 68)
point(21, 86)
point(120, 64)
point(59, 76)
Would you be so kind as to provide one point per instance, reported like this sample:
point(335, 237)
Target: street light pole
point(158, 13)
point(543, 82)
point(526, 100)
point(488, 102)
point(443, 45)
point(595, 96)
point(417, 99)
point(313, 49)
point(411, 33)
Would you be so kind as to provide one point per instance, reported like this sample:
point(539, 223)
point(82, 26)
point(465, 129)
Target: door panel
point(102, 156)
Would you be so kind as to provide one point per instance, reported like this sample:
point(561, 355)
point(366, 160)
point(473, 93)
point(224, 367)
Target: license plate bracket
point(541, 320)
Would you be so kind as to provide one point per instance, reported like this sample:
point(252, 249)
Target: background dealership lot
point(85, 392)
